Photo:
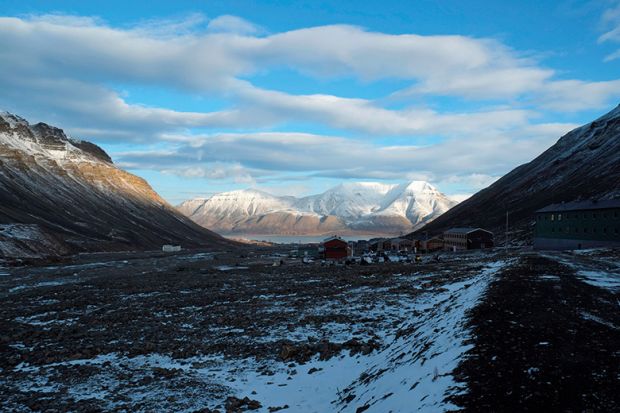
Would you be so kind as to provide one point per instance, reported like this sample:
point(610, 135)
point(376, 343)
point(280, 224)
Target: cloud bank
point(72, 71)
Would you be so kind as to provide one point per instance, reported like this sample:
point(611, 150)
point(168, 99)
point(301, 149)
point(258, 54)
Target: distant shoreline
point(304, 239)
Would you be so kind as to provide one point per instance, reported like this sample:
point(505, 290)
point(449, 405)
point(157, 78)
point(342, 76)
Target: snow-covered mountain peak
point(45, 142)
point(420, 187)
point(376, 206)
point(12, 120)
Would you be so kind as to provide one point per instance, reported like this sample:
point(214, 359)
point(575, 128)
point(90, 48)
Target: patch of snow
point(549, 277)
point(35, 320)
point(590, 316)
point(21, 231)
point(410, 373)
point(588, 251)
point(588, 271)
point(31, 145)
point(533, 370)
point(602, 279)
point(230, 268)
point(40, 284)
point(207, 256)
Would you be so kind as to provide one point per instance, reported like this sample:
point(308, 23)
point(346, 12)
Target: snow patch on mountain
point(53, 145)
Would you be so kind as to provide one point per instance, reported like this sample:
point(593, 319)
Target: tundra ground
point(493, 331)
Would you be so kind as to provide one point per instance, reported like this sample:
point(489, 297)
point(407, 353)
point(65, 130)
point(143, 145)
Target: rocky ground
point(547, 338)
point(196, 331)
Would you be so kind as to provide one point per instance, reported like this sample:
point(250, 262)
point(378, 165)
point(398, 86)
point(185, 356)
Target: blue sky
point(294, 97)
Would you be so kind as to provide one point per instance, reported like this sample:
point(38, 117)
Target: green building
point(576, 225)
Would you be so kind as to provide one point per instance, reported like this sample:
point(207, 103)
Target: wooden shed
point(334, 248)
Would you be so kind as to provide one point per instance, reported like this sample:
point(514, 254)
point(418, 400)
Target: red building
point(334, 248)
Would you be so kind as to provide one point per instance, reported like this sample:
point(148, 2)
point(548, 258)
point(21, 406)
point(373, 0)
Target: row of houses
point(455, 239)
point(567, 225)
point(563, 226)
point(571, 225)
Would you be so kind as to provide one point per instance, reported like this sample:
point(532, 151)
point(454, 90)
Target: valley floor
point(490, 331)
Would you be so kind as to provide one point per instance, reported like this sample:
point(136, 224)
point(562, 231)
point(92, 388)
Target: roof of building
point(582, 205)
point(464, 230)
point(426, 237)
point(333, 238)
point(431, 237)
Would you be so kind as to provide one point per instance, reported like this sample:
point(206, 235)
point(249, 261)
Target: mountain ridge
point(54, 187)
point(348, 208)
point(582, 164)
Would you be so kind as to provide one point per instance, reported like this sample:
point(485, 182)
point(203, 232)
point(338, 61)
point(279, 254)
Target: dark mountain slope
point(583, 164)
point(56, 188)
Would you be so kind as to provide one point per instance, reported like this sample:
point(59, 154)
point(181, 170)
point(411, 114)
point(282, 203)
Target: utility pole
point(506, 242)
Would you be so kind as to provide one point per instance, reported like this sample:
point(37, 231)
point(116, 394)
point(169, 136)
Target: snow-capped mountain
point(362, 207)
point(583, 164)
point(59, 195)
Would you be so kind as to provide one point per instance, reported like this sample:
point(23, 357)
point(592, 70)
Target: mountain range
point(60, 195)
point(583, 164)
point(349, 208)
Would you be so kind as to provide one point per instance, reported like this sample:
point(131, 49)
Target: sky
point(294, 97)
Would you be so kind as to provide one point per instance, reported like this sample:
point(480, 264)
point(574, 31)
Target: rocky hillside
point(583, 164)
point(362, 207)
point(60, 195)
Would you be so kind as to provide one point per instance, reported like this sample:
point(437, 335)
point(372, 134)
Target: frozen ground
point(206, 332)
point(597, 267)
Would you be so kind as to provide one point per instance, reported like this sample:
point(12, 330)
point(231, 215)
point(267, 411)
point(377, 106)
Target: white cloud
point(269, 155)
point(460, 197)
point(215, 171)
point(233, 24)
point(364, 116)
point(475, 180)
point(68, 71)
point(194, 60)
point(576, 95)
point(611, 20)
point(104, 114)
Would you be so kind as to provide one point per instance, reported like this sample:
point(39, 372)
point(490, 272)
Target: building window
point(585, 230)
point(552, 217)
point(594, 215)
point(559, 217)
point(552, 229)
point(576, 230)
point(605, 230)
